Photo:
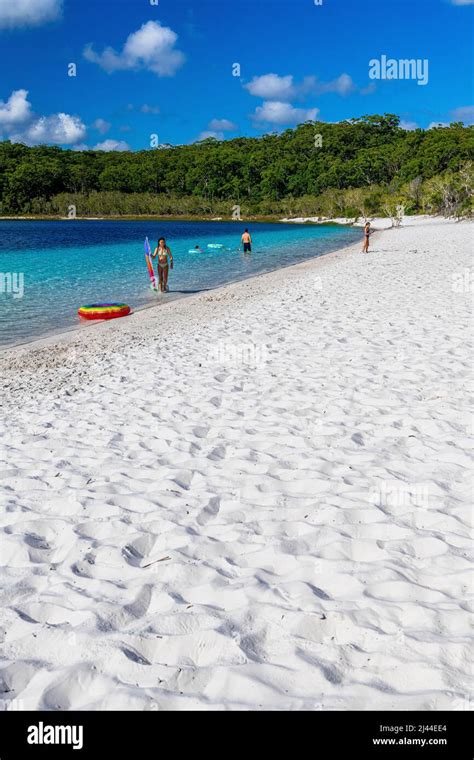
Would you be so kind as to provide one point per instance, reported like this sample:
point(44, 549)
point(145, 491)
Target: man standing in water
point(163, 253)
point(247, 241)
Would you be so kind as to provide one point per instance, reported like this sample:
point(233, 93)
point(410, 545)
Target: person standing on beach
point(165, 262)
point(367, 234)
point(247, 241)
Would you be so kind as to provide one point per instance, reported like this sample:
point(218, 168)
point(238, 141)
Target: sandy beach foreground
point(257, 497)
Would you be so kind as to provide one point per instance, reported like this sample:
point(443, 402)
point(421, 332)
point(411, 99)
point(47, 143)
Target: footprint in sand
point(209, 512)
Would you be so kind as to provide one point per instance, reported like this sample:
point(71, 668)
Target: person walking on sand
point(367, 234)
point(165, 262)
point(247, 241)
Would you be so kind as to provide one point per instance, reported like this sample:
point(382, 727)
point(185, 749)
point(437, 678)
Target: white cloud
point(285, 89)
point(110, 145)
point(465, 114)
point(272, 87)
point(102, 126)
point(222, 125)
point(462, 2)
point(216, 129)
point(60, 129)
point(20, 124)
point(16, 110)
point(276, 112)
point(410, 126)
point(18, 13)
point(210, 133)
point(343, 85)
point(149, 109)
point(152, 48)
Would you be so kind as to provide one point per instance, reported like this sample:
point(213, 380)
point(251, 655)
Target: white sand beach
point(254, 498)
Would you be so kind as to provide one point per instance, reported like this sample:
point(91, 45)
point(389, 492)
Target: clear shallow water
point(69, 264)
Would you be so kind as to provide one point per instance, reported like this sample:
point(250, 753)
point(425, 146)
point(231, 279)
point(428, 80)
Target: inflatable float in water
point(104, 311)
point(215, 245)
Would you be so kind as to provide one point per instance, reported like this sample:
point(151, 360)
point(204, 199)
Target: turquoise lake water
point(58, 266)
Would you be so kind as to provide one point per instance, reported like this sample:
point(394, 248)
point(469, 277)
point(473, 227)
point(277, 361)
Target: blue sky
point(165, 69)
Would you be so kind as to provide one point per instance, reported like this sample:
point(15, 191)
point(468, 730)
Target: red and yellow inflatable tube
point(104, 311)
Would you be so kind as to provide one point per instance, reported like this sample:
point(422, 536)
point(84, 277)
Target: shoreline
point(272, 219)
point(145, 218)
point(35, 353)
point(78, 330)
point(169, 301)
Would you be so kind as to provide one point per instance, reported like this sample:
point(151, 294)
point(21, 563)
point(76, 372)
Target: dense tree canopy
point(264, 175)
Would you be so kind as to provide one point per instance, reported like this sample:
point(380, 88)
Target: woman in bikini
point(165, 262)
point(367, 234)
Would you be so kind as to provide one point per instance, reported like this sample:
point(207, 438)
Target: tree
point(283, 172)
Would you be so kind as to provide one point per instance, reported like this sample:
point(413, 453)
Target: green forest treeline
point(359, 167)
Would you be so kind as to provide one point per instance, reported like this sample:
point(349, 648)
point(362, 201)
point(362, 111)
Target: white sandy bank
point(254, 498)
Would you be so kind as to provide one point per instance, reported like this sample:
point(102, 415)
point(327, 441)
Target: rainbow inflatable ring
point(104, 311)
